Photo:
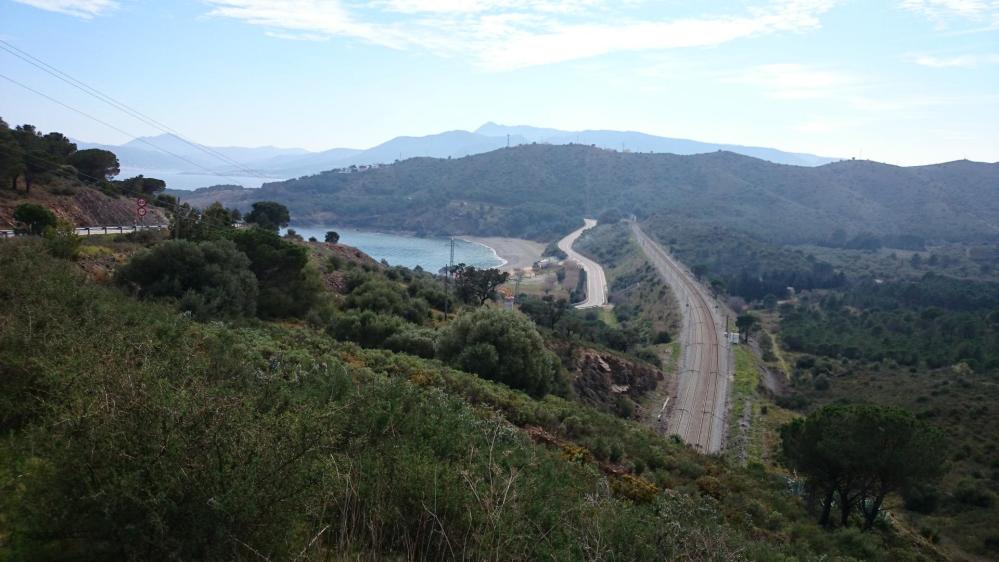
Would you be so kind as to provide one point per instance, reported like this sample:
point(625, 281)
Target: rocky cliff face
point(79, 206)
point(608, 380)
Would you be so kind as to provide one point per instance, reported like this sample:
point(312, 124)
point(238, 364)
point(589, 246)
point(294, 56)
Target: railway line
point(698, 416)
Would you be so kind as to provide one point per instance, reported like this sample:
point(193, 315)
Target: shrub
point(649, 356)
point(419, 342)
point(623, 407)
point(709, 485)
point(634, 488)
point(34, 217)
point(922, 499)
point(62, 241)
point(367, 328)
point(821, 383)
point(287, 287)
point(503, 346)
point(974, 494)
point(210, 279)
point(268, 215)
point(384, 297)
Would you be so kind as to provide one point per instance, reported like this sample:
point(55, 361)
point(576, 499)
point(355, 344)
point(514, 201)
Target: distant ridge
point(641, 142)
point(540, 190)
point(281, 163)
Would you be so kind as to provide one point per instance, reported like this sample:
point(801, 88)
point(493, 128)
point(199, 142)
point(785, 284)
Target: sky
point(900, 81)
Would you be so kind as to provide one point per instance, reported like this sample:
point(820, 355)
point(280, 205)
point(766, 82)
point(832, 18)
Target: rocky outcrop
point(79, 206)
point(603, 378)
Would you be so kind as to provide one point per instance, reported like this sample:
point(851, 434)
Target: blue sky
point(901, 81)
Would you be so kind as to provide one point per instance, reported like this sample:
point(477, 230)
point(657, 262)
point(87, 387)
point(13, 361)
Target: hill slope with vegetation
point(542, 191)
point(321, 407)
point(75, 185)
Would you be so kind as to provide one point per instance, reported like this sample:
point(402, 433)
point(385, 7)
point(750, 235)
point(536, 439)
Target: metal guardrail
point(98, 230)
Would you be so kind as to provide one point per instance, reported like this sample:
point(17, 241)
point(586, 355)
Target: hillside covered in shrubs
point(321, 407)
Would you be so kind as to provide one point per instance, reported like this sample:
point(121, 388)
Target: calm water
point(410, 251)
point(181, 180)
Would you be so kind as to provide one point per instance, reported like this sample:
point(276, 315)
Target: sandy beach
point(517, 253)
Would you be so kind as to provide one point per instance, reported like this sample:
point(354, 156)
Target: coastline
point(503, 261)
point(516, 253)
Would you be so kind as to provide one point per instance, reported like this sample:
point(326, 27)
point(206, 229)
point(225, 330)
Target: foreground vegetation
point(135, 431)
point(921, 338)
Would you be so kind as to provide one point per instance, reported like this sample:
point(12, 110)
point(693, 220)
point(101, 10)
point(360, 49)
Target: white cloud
point(85, 9)
point(795, 81)
point(959, 61)
point(944, 11)
point(510, 34)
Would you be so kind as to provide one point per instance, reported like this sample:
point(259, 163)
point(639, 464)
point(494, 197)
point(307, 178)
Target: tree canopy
point(35, 217)
point(211, 279)
point(854, 456)
point(474, 285)
point(503, 346)
point(286, 287)
point(95, 164)
point(269, 215)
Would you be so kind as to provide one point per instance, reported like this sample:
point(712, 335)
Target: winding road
point(698, 415)
point(596, 281)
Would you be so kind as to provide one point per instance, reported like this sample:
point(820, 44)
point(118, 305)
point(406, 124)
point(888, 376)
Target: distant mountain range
point(168, 153)
point(542, 191)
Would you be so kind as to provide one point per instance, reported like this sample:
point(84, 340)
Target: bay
point(409, 251)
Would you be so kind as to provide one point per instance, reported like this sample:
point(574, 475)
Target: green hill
point(161, 428)
point(540, 191)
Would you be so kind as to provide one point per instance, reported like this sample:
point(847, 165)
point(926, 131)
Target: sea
point(431, 254)
point(189, 181)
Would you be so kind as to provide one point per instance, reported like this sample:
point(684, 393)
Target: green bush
point(210, 279)
point(419, 342)
point(268, 215)
point(972, 493)
point(821, 383)
point(503, 346)
point(288, 288)
point(62, 240)
point(35, 218)
point(377, 294)
point(132, 433)
point(365, 327)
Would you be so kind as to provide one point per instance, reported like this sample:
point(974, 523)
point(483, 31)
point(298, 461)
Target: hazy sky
point(902, 81)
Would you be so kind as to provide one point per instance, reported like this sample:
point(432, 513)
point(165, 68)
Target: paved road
point(698, 415)
point(596, 281)
point(95, 230)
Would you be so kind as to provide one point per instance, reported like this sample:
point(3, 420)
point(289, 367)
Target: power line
point(109, 125)
point(177, 205)
point(136, 114)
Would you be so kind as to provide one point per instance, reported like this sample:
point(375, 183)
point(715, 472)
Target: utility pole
point(447, 280)
point(447, 292)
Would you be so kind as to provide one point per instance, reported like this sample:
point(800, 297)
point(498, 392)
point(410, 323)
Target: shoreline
point(503, 261)
point(515, 253)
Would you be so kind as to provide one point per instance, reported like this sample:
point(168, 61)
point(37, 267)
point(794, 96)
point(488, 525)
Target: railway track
point(698, 416)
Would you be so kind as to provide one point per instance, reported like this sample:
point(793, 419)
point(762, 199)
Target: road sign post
point(140, 209)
